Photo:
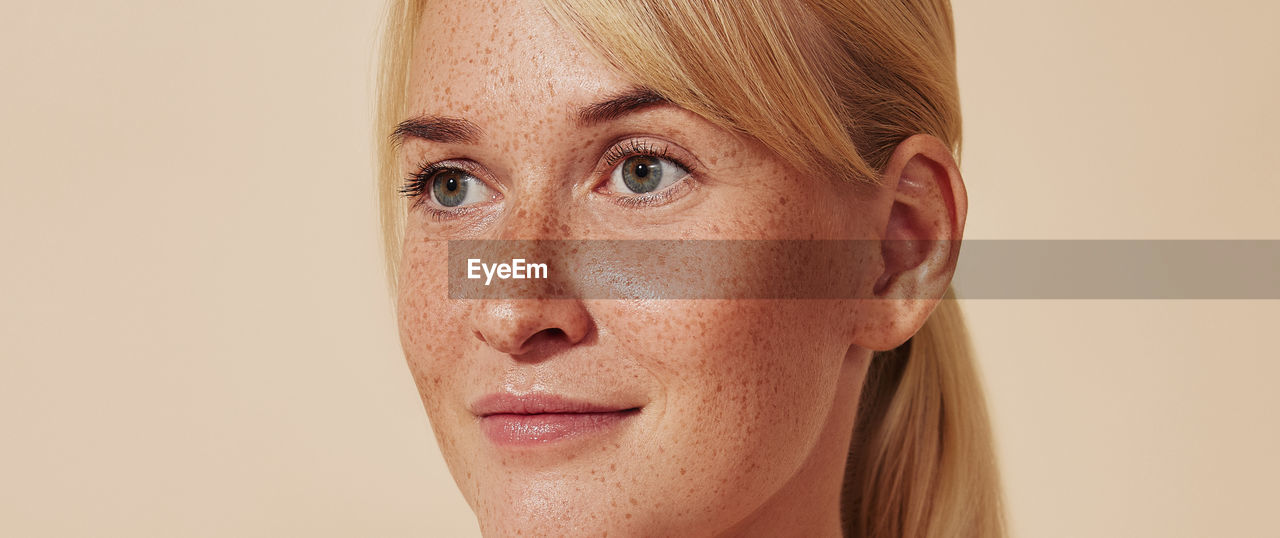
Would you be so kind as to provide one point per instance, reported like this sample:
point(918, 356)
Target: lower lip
point(530, 430)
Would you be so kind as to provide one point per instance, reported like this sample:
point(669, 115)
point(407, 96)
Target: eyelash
point(417, 184)
point(633, 147)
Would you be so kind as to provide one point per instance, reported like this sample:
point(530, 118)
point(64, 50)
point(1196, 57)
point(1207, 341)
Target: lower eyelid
point(658, 198)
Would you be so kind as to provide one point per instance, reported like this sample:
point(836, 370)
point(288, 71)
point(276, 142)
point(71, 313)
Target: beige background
point(195, 340)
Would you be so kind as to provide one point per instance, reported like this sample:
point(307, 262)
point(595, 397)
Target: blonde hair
point(832, 87)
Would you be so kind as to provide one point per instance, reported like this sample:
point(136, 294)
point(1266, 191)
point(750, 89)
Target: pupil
point(642, 170)
point(451, 184)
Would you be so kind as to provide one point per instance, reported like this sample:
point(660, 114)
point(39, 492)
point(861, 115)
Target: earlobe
point(920, 242)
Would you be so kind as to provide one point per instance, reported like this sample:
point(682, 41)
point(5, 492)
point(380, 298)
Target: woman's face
point(655, 416)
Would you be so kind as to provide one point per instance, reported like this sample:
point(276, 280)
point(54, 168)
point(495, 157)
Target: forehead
point(490, 60)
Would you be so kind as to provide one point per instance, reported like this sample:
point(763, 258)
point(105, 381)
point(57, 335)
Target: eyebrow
point(450, 130)
point(621, 104)
point(437, 129)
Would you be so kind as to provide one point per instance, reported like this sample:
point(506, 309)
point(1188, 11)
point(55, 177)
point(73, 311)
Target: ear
point(920, 242)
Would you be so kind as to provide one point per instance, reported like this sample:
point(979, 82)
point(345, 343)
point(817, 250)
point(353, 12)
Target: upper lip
point(538, 403)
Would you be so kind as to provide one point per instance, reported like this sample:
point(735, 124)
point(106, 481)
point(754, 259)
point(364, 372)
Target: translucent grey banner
point(847, 269)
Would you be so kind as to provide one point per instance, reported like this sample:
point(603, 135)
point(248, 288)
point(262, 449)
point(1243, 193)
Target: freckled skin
point(747, 404)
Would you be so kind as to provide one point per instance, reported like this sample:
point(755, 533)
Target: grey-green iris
point(642, 173)
point(450, 187)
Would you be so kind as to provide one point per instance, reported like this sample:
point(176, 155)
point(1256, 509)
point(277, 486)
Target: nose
point(525, 327)
point(531, 328)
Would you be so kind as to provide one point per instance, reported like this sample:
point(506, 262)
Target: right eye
point(449, 187)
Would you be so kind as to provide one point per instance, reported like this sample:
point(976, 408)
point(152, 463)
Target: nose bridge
point(537, 212)
point(541, 186)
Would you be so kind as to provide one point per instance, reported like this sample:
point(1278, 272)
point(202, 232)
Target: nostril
point(542, 344)
point(551, 337)
point(552, 333)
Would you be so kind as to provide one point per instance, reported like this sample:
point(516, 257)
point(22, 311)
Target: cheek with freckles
point(434, 338)
point(746, 387)
point(424, 310)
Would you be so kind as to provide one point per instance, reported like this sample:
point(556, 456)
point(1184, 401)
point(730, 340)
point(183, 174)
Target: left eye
point(640, 174)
